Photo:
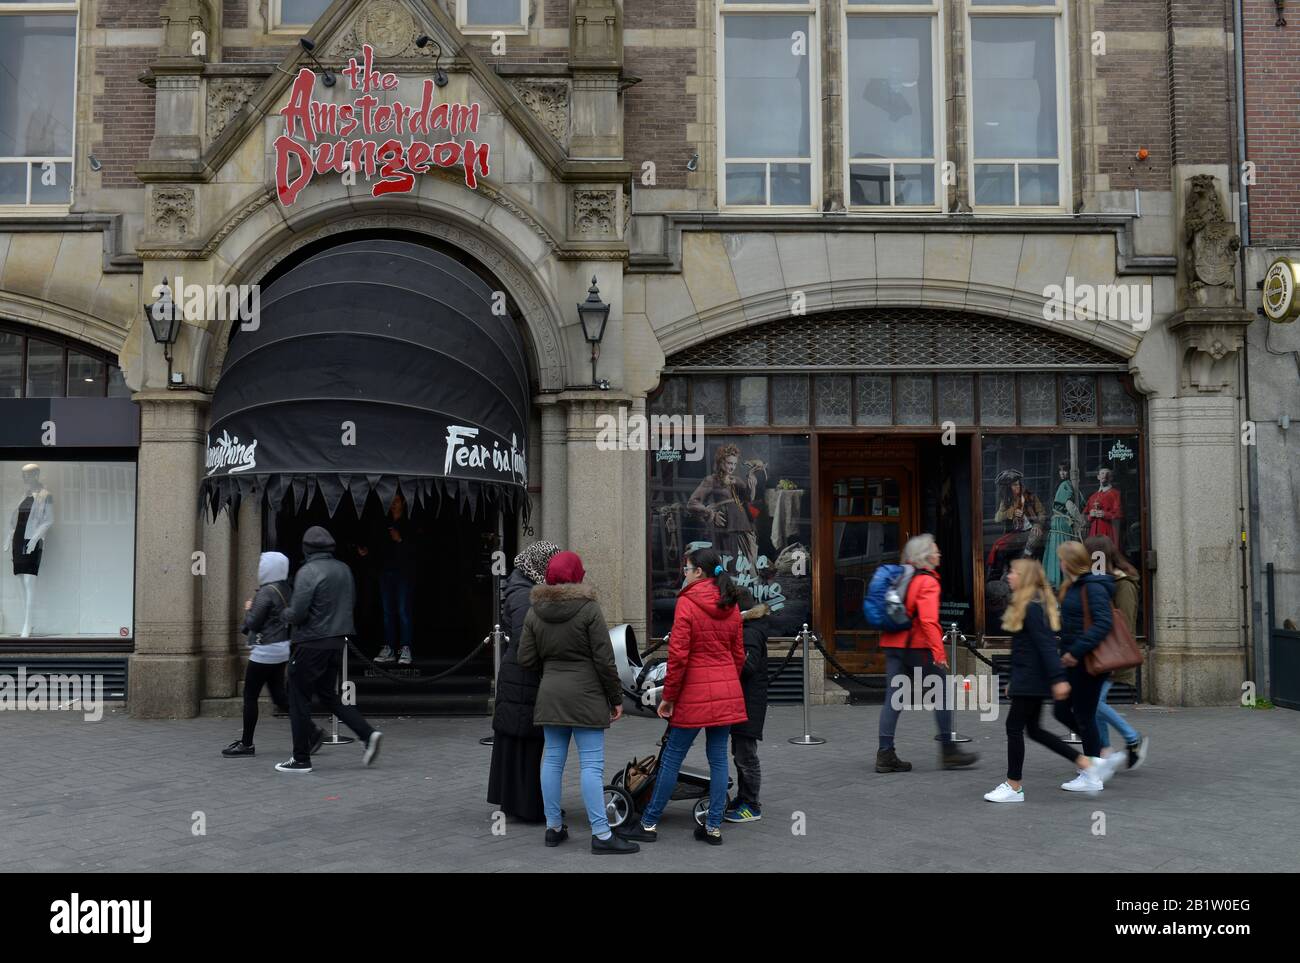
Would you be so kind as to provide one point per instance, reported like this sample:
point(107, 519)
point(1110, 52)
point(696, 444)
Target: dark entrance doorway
point(448, 565)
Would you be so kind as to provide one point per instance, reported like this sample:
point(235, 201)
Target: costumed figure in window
point(727, 504)
point(29, 523)
point(1067, 523)
point(1022, 514)
point(1104, 508)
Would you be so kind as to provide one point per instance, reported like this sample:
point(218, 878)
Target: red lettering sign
point(317, 136)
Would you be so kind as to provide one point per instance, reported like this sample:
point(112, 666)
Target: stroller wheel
point(701, 809)
point(619, 807)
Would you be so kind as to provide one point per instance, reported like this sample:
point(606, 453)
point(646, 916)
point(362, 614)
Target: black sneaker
point(638, 832)
point(237, 748)
point(317, 741)
point(711, 836)
point(887, 761)
point(1137, 753)
point(953, 756)
point(556, 836)
point(292, 765)
point(616, 845)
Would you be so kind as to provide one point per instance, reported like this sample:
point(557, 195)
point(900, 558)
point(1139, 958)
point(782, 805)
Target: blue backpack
point(884, 607)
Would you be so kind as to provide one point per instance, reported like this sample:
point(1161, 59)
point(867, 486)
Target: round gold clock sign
point(1281, 301)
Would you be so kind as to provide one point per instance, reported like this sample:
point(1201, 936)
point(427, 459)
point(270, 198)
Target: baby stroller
point(630, 790)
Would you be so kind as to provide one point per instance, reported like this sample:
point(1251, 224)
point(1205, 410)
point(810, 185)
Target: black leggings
point(258, 675)
point(1079, 712)
point(1022, 719)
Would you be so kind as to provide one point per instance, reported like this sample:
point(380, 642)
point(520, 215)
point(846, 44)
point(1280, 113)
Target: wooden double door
point(867, 510)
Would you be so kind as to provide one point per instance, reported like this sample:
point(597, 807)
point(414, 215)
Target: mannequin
point(1104, 508)
point(28, 525)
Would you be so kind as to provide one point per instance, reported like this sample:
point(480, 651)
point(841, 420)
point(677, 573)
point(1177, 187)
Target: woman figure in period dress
point(1104, 508)
point(1067, 523)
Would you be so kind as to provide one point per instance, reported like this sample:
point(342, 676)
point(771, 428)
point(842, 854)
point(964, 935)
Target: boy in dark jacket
point(745, 736)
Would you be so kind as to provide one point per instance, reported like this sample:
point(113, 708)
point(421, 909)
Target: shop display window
point(68, 559)
point(749, 497)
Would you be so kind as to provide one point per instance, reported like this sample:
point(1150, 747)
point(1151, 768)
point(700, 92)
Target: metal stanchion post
point(807, 739)
point(496, 636)
point(335, 739)
point(954, 634)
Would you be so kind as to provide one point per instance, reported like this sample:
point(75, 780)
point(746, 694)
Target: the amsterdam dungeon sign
point(325, 137)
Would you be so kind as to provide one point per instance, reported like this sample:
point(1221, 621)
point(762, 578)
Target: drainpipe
point(1254, 561)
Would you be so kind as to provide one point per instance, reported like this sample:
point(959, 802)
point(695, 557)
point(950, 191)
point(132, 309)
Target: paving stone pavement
point(1220, 793)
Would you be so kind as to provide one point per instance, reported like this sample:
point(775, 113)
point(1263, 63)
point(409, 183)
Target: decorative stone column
point(605, 527)
point(555, 470)
point(166, 669)
point(596, 56)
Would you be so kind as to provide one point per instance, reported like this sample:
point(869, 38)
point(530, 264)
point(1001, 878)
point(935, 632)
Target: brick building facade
point(841, 231)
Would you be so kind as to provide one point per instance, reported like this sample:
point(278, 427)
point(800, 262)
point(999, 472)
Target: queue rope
point(423, 680)
point(772, 676)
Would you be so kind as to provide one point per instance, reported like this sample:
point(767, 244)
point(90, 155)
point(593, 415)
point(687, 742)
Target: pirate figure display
point(726, 503)
point(1023, 517)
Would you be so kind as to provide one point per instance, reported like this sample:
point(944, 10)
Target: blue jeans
point(1105, 714)
point(397, 591)
point(591, 757)
point(901, 667)
point(670, 765)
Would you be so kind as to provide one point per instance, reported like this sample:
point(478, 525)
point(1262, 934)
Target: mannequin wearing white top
point(40, 518)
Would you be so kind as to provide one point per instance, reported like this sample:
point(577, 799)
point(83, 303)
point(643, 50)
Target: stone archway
point(493, 248)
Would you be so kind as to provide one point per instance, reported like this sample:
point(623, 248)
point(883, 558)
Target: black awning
point(375, 363)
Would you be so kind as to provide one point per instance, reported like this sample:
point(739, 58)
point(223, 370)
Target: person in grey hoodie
point(319, 616)
point(268, 637)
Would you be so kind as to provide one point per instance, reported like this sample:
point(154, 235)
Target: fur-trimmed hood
point(759, 611)
point(559, 603)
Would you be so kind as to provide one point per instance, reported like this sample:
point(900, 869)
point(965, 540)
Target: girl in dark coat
point(515, 778)
point(745, 736)
point(1036, 671)
point(1080, 634)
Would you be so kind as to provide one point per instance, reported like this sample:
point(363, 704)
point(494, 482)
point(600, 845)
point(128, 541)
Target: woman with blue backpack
point(913, 647)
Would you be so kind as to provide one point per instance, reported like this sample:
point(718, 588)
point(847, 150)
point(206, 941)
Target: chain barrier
point(423, 680)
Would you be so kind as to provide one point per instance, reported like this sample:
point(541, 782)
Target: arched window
point(44, 365)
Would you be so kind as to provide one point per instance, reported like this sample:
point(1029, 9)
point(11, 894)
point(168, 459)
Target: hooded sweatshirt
point(264, 622)
point(320, 611)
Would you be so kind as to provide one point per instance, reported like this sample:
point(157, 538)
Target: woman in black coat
point(745, 736)
point(515, 779)
point(1036, 674)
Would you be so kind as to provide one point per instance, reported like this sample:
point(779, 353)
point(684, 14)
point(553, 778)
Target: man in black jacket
point(320, 618)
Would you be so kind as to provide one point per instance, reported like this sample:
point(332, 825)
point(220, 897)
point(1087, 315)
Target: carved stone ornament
point(172, 212)
point(387, 26)
point(548, 100)
point(593, 213)
point(1212, 244)
point(1208, 340)
point(226, 98)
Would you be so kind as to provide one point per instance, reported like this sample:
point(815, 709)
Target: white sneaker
point(385, 654)
point(372, 748)
point(1105, 767)
point(1004, 793)
point(1085, 781)
point(405, 657)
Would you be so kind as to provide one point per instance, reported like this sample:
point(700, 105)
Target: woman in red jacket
point(918, 648)
point(706, 652)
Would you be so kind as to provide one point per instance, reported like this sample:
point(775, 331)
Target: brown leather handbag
point(1118, 650)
